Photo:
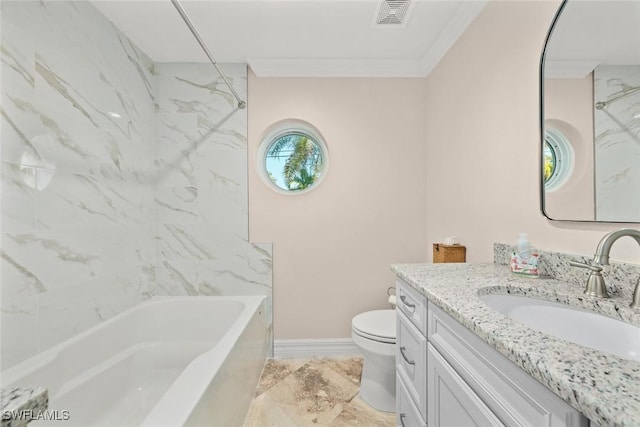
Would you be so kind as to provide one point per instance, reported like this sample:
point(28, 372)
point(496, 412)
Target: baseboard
point(297, 349)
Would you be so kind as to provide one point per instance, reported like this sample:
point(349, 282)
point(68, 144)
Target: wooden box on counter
point(449, 253)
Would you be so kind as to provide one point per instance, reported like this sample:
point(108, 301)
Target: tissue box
point(449, 253)
point(525, 267)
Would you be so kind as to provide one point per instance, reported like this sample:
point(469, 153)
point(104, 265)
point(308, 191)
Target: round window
point(292, 158)
point(558, 159)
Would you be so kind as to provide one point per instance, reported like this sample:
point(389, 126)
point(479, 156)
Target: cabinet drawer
point(407, 415)
point(411, 361)
point(413, 305)
point(451, 402)
point(515, 397)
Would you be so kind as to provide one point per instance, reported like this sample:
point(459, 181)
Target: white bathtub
point(171, 361)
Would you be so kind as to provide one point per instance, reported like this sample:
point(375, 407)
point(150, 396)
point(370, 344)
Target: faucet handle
point(593, 267)
point(595, 282)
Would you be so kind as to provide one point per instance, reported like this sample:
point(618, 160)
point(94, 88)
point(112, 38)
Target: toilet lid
point(379, 325)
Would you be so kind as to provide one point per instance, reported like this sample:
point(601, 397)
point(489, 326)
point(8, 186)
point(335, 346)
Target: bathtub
point(171, 361)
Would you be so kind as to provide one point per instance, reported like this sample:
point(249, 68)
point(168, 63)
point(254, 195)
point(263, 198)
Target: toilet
point(374, 332)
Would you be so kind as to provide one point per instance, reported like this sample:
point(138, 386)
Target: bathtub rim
point(175, 398)
point(9, 376)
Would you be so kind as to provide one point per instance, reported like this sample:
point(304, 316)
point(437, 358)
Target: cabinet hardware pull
point(404, 356)
point(403, 298)
point(402, 416)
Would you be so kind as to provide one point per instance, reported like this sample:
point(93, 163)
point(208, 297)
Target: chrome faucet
point(595, 284)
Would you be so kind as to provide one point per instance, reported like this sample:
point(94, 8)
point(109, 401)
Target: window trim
point(277, 131)
point(565, 159)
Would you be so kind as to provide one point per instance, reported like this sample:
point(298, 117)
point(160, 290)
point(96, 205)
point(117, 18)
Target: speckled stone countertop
point(23, 403)
point(604, 387)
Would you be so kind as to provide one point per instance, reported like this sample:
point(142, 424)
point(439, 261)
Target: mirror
point(590, 112)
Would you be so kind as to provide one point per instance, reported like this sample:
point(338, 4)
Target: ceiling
point(298, 38)
point(590, 33)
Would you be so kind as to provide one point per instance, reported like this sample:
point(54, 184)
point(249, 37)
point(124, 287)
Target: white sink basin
point(572, 324)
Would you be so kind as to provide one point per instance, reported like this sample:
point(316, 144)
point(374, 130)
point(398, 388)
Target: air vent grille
point(392, 12)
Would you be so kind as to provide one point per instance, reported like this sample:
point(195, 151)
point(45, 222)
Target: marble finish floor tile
point(265, 412)
point(275, 371)
point(313, 392)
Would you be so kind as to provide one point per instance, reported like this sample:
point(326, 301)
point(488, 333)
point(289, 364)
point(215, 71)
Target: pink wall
point(483, 134)
point(412, 162)
point(332, 247)
point(568, 108)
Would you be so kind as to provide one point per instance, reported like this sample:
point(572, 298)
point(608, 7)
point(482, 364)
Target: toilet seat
point(376, 325)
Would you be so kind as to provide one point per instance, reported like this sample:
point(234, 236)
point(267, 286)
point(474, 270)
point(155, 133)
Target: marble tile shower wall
point(201, 201)
point(121, 178)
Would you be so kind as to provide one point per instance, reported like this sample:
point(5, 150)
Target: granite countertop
point(602, 386)
point(19, 404)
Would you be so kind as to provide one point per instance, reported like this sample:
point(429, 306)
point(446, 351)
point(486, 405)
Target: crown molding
point(263, 67)
point(466, 12)
point(568, 69)
point(457, 25)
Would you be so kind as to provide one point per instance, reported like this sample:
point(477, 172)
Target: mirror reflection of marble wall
point(617, 147)
point(593, 55)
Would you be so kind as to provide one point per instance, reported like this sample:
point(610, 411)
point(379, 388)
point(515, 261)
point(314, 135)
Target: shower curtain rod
point(602, 104)
point(185, 18)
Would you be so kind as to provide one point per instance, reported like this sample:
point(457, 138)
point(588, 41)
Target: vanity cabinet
point(411, 357)
point(448, 376)
point(451, 401)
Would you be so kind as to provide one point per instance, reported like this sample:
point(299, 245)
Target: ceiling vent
point(393, 12)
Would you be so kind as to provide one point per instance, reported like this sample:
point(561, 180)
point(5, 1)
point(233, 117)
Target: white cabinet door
point(513, 395)
point(407, 414)
point(451, 403)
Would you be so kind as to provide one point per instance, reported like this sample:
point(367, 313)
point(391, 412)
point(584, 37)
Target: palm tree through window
point(294, 161)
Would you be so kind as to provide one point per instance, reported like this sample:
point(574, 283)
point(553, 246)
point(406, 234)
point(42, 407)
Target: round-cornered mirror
point(590, 91)
point(292, 157)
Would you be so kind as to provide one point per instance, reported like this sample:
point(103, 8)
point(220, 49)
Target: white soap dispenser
point(524, 247)
point(524, 260)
